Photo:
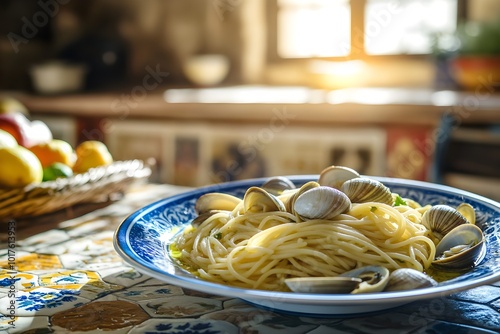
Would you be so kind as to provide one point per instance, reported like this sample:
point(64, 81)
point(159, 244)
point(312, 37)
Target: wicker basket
point(96, 185)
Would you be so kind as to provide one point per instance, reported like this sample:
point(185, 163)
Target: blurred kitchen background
point(220, 90)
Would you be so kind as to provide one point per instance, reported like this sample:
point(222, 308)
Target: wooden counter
point(284, 130)
point(259, 104)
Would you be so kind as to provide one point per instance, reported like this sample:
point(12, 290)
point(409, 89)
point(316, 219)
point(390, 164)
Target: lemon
point(6, 139)
point(57, 170)
point(10, 105)
point(91, 154)
point(19, 167)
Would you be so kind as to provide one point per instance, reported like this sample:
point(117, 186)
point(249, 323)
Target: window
point(316, 28)
point(354, 29)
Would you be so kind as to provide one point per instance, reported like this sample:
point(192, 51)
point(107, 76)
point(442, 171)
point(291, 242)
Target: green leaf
point(399, 201)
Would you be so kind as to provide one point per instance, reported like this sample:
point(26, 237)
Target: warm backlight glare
point(313, 28)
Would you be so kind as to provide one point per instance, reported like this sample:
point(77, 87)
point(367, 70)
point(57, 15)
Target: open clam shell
point(216, 201)
point(334, 284)
point(360, 280)
point(277, 185)
point(468, 212)
point(461, 248)
point(441, 219)
point(259, 200)
point(374, 278)
point(335, 176)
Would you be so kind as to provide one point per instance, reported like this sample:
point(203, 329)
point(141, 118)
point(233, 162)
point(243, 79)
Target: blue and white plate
point(143, 238)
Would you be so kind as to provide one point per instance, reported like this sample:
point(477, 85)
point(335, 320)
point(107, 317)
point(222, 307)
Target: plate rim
point(122, 232)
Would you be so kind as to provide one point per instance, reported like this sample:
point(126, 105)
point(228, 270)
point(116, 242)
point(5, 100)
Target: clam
point(361, 280)
point(277, 185)
point(374, 278)
point(335, 284)
point(321, 203)
point(335, 176)
point(259, 200)
point(460, 248)
point(408, 279)
point(362, 189)
point(441, 219)
point(216, 201)
point(468, 212)
point(289, 199)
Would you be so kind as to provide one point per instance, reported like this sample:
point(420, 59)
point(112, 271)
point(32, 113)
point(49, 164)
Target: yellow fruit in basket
point(57, 170)
point(6, 139)
point(56, 150)
point(90, 154)
point(19, 167)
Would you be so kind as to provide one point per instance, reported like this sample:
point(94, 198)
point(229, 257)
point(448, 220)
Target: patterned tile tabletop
point(68, 278)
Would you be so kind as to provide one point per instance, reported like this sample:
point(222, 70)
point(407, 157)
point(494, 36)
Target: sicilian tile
point(20, 280)
point(152, 282)
point(95, 245)
point(483, 294)
point(8, 257)
point(66, 277)
point(108, 298)
point(91, 262)
point(88, 283)
point(189, 292)
point(103, 315)
point(446, 327)
point(60, 330)
point(450, 310)
point(180, 306)
point(97, 265)
point(237, 303)
point(70, 261)
point(138, 293)
point(323, 329)
point(260, 321)
point(89, 227)
point(41, 301)
point(43, 240)
point(323, 321)
point(32, 261)
point(386, 323)
point(173, 326)
point(122, 275)
point(22, 324)
point(67, 225)
point(56, 249)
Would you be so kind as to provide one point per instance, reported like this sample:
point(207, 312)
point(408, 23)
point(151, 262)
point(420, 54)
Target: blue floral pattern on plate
point(142, 241)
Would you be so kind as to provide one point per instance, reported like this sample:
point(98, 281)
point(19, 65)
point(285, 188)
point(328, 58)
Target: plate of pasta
point(336, 243)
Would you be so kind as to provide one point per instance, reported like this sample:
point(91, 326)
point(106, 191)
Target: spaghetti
point(261, 250)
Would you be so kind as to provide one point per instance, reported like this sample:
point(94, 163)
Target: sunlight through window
point(313, 28)
point(406, 27)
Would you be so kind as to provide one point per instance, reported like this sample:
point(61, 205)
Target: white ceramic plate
point(142, 241)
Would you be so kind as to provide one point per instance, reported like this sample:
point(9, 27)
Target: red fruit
point(25, 132)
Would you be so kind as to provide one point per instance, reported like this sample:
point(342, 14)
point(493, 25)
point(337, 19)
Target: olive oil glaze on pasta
point(325, 228)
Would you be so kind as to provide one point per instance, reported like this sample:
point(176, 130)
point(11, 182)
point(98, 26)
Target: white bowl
point(206, 70)
point(58, 77)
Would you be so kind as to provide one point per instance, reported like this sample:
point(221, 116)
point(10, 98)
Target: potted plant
point(476, 61)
